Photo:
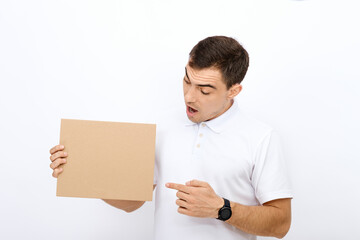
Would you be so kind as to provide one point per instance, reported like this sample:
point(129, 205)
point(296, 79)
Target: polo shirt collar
point(219, 123)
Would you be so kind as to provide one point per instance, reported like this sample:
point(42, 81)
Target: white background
point(124, 61)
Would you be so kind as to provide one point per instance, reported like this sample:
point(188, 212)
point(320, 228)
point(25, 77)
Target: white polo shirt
point(237, 155)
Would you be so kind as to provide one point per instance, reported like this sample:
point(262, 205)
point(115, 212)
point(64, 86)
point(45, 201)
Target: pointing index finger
point(179, 187)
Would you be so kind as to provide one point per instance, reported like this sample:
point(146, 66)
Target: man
point(219, 173)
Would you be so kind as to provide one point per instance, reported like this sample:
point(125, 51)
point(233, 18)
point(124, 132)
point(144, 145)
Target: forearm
point(126, 205)
point(260, 220)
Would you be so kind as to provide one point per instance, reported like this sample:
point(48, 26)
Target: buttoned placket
point(197, 148)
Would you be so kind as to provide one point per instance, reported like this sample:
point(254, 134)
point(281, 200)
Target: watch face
point(226, 213)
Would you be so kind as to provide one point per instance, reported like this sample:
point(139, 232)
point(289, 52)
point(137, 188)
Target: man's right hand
point(58, 158)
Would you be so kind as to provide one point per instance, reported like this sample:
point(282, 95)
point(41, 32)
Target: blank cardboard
point(107, 160)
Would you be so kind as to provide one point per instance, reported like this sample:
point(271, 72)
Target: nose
point(190, 95)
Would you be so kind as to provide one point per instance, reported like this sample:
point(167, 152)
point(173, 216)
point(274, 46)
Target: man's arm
point(126, 205)
point(271, 219)
point(198, 199)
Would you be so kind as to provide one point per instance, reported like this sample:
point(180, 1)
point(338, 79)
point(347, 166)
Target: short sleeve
point(270, 177)
point(156, 172)
point(157, 154)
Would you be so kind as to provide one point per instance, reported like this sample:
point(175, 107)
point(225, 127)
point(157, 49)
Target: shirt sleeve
point(156, 172)
point(269, 177)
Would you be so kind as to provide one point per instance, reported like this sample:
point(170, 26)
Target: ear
point(234, 90)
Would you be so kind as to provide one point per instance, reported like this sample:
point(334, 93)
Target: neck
point(227, 108)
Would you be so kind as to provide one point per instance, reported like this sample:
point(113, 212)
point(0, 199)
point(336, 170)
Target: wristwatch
point(225, 211)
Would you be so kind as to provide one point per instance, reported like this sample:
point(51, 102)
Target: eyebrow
point(200, 85)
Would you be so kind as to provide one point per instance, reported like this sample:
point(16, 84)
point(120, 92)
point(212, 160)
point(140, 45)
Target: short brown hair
point(223, 53)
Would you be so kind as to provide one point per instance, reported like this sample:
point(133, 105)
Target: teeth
point(190, 109)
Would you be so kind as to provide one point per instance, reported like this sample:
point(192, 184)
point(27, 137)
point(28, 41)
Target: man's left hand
point(197, 199)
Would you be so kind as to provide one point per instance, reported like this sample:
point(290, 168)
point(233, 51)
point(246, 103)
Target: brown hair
point(223, 53)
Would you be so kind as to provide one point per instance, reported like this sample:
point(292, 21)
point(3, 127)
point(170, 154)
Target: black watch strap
point(227, 202)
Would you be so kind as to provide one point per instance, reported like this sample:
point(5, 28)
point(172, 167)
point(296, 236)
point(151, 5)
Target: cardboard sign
point(107, 160)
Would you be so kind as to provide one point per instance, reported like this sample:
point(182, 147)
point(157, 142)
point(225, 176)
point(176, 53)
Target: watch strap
point(227, 202)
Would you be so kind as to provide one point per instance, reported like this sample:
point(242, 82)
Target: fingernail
point(61, 146)
point(167, 185)
point(65, 153)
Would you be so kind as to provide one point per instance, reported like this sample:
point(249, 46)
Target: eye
point(204, 93)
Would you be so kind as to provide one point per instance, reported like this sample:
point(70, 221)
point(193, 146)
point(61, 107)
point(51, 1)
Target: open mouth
point(191, 110)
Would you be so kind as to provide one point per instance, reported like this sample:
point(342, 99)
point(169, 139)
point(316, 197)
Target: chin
point(194, 120)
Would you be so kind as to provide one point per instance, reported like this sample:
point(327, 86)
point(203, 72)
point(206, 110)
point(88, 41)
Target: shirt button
point(203, 124)
point(198, 145)
point(200, 135)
